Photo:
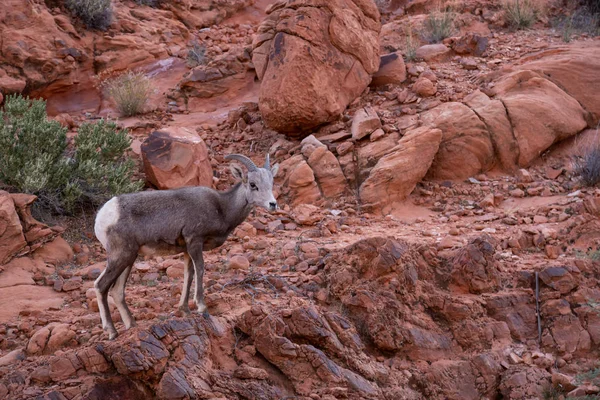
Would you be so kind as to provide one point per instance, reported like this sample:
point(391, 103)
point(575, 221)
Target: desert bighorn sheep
point(189, 220)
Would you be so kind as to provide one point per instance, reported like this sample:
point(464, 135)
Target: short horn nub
point(267, 162)
point(244, 160)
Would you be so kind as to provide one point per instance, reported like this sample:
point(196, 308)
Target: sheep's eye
point(253, 186)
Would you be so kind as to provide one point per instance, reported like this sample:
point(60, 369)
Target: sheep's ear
point(238, 172)
point(274, 169)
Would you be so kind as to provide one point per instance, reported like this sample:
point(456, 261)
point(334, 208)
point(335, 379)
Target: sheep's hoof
point(112, 335)
point(201, 308)
point(185, 309)
point(132, 324)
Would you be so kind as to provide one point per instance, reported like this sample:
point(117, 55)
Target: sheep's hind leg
point(115, 266)
point(188, 271)
point(118, 294)
point(195, 253)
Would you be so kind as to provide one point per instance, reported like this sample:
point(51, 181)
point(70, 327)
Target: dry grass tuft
point(130, 91)
point(521, 14)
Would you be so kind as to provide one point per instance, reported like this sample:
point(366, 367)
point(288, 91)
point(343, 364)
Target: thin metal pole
point(537, 306)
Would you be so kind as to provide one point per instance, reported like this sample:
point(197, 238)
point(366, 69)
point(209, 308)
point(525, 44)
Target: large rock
point(173, 359)
point(395, 175)
point(493, 114)
point(314, 57)
point(11, 231)
point(470, 43)
point(474, 269)
point(176, 157)
point(392, 70)
point(328, 172)
point(29, 297)
point(456, 379)
point(365, 121)
point(57, 252)
point(574, 68)
point(524, 382)
point(424, 87)
point(367, 157)
point(306, 363)
point(559, 279)
point(466, 148)
point(433, 52)
point(51, 338)
point(298, 181)
point(517, 309)
point(566, 334)
point(390, 323)
point(540, 112)
point(206, 81)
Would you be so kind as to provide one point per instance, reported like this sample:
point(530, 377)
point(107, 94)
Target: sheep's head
point(258, 183)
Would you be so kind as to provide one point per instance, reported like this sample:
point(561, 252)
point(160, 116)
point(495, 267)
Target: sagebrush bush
point(438, 26)
point(196, 55)
point(593, 6)
point(31, 147)
point(582, 20)
point(588, 168)
point(410, 48)
point(520, 14)
point(35, 157)
point(95, 14)
point(130, 91)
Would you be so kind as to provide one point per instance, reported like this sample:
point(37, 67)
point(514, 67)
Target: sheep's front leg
point(195, 253)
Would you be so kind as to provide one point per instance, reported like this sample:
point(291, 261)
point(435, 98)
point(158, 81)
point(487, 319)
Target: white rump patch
point(107, 217)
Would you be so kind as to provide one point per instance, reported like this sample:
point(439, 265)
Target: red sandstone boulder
point(176, 157)
point(367, 157)
point(424, 87)
point(365, 121)
point(433, 52)
point(517, 309)
point(470, 43)
point(474, 268)
point(524, 382)
point(559, 278)
point(328, 172)
point(206, 81)
point(11, 231)
point(296, 341)
point(466, 148)
point(392, 70)
point(297, 180)
point(314, 60)
point(395, 175)
point(540, 112)
point(493, 114)
point(574, 68)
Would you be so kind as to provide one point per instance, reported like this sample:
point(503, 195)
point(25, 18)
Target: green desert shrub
point(35, 157)
point(130, 91)
point(95, 14)
point(520, 14)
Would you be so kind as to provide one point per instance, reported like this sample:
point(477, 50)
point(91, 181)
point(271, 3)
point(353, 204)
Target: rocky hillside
point(436, 239)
